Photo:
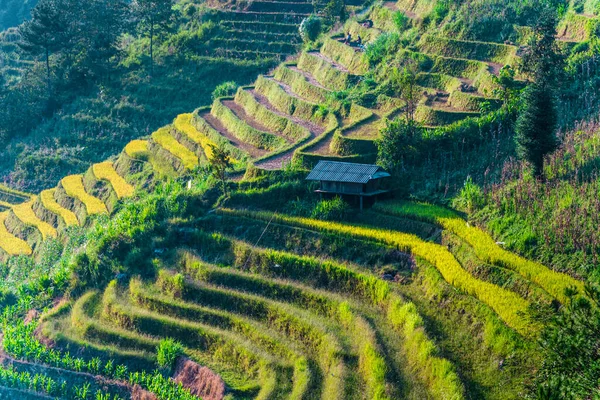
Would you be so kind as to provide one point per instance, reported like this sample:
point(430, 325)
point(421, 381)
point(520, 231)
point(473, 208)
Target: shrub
point(440, 11)
point(335, 209)
point(167, 353)
point(386, 43)
point(470, 197)
point(400, 20)
point(311, 28)
point(225, 89)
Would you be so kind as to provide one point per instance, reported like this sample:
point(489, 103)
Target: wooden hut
point(358, 181)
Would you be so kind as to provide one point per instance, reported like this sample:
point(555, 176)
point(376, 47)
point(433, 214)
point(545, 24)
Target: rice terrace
point(293, 199)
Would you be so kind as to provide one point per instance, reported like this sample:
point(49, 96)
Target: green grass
point(471, 102)
point(371, 364)
point(325, 73)
point(274, 122)
point(291, 105)
point(229, 310)
point(437, 372)
point(214, 136)
point(223, 344)
point(438, 117)
point(300, 85)
point(474, 50)
point(511, 307)
point(345, 55)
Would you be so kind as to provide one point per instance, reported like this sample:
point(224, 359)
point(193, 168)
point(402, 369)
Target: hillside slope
point(154, 280)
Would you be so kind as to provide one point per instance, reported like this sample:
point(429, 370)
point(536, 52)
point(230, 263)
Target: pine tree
point(542, 60)
point(535, 129)
point(153, 16)
point(44, 33)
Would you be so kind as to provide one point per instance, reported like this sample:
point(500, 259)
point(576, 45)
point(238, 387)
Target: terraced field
point(290, 116)
point(258, 29)
point(359, 311)
point(403, 301)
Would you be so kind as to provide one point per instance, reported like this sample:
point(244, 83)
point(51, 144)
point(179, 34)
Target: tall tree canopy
point(536, 126)
point(45, 33)
point(154, 16)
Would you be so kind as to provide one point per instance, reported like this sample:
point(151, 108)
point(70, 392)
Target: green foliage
point(167, 353)
point(153, 16)
point(14, 12)
point(385, 44)
point(536, 126)
point(570, 343)
point(225, 89)
point(440, 11)
point(398, 144)
point(401, 21)
point(335, 10)
point(220, 163)
point(311, 28)
point(470, 198)
point(543, 60)
point(335, 209)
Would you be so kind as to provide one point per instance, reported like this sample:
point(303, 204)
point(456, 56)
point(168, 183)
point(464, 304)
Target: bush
point(440, 11)
point(225, 89)
point(470, 198)
point(335, 209)
point(167, 353)
point(386, 43)
point(400, 20)
point(311, 28)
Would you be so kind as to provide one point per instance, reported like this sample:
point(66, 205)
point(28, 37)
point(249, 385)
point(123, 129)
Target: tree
point(507, 85)
point(405, 85)
point(542, 60)
point(310, 28)
point(335, 10)
point(569, 343)
point(397, 144)
point(220, 163)
point(95, 36)
point(153, 16)
point(44, 33)
point(536, 126)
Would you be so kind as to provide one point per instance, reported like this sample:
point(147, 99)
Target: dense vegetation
point(173, 249)
point(95, 93)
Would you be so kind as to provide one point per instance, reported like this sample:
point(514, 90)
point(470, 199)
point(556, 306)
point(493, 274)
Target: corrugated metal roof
point(335, 171)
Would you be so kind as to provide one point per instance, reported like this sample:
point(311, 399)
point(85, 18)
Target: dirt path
point(330, 61)
point(241, 114)
point(218, 126)
point(278, 162)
